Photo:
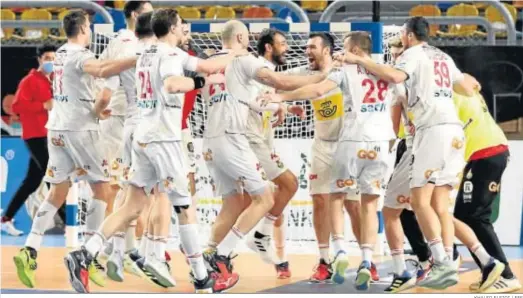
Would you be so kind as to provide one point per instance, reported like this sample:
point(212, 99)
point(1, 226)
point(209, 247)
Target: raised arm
point(383, 71)
point(216, 64)
point(286, 82)
point(107, 68)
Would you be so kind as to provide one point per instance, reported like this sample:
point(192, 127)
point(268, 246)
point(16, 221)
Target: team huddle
point(129, 138)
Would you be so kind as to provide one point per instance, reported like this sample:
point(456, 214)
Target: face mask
point(47, 66)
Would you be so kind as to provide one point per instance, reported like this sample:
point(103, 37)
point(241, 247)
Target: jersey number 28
point(372, 93)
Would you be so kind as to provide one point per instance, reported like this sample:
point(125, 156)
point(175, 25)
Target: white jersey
point(398, 93)
point(72, 91)
point(127, 80)
point(122, 46)
point(161, 112)
point(431, 74)
point(367, 105)
point(259, 123)
point(328, 111)
point(229, 103)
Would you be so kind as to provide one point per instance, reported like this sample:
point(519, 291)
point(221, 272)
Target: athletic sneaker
point(78, 263)
point(218, 263)
point(9, 228)
point(440, 276)
point(161, 270)
point(214, 283)
point(146, 274)
point(340, 264)
point(129, 263)
point(263, 245)
point(322, 273)
point(363, 276)
point(401, 282)
point(115, 267)
point(503, 285)
point(422, 272)
point(491, 273)
point(282, 270)
point(375, 276)
point(25, 262)
point(97, 273)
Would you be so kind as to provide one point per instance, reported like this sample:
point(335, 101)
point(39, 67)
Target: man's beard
point(278, 59)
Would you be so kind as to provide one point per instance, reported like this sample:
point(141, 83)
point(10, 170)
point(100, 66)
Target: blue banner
point(14, 163)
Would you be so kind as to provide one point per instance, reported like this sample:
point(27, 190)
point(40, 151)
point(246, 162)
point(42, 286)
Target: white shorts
point(112, 132)
point(188, 148)
point(161, 163)
point(76, 154)
point(232, 165)
point(437, 156)
point(127, 151)
point(322, 154)
point(360, 167)
point(397, 195)
point(270, 164)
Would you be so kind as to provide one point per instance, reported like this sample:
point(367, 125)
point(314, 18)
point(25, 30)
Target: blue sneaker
point(340, 264)
point(363, 277)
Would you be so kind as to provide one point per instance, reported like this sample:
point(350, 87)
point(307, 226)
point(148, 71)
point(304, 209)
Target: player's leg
point(436, 146)
point(479, 189)
point(417, 242)
point(79, 262)
point(236, 159)
point(440, 204)
point(282, 269)
point(320, 189)
point(337, 220)
point(59, 168)
point(395, 202)
point(353, 207)
point(286, 185)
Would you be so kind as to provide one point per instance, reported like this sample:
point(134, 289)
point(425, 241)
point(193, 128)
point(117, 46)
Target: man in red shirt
point(32, 102)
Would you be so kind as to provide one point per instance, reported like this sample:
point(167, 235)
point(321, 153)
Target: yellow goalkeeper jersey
point(481, 130)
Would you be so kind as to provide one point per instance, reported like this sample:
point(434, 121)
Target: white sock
point(229, 242)
point(267, 225)
point(95, 216)
point(149, 247)
point(159, 245)
point(438, 251)
point(480, 252)
point(95, 243)
point(142, 249)
point(366, 252)
point(398, 259)
point(450, 252)
point(324, 252)
point(43, 218)
point(119, 243)
point(130, 242)
point(193, 250)
point(337, 241)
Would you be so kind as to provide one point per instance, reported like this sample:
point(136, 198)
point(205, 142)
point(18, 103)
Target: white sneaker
point(131, 267)
point(503, 285)
point(10, 229)
point(264, 246)
point(160, 270)
point(115, 266)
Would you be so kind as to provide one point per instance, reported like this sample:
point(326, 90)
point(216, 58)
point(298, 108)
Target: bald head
point(235, 32)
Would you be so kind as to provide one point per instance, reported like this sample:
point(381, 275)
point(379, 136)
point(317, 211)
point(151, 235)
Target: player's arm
point(216, 64)
point(395, 111)
point(107, 68)
point(466, 85)
point(181, 84)
point(336, 78)
point(284, 82)
point(396, 75)
point(103, 98)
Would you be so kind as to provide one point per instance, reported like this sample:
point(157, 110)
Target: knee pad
point(178, 209)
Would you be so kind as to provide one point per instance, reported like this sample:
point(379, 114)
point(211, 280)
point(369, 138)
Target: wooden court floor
point(255, 275)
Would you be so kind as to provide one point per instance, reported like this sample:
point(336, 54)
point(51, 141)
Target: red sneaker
point(322, 273)
point(375, 276)
point(224, 283)
point(283, 271)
